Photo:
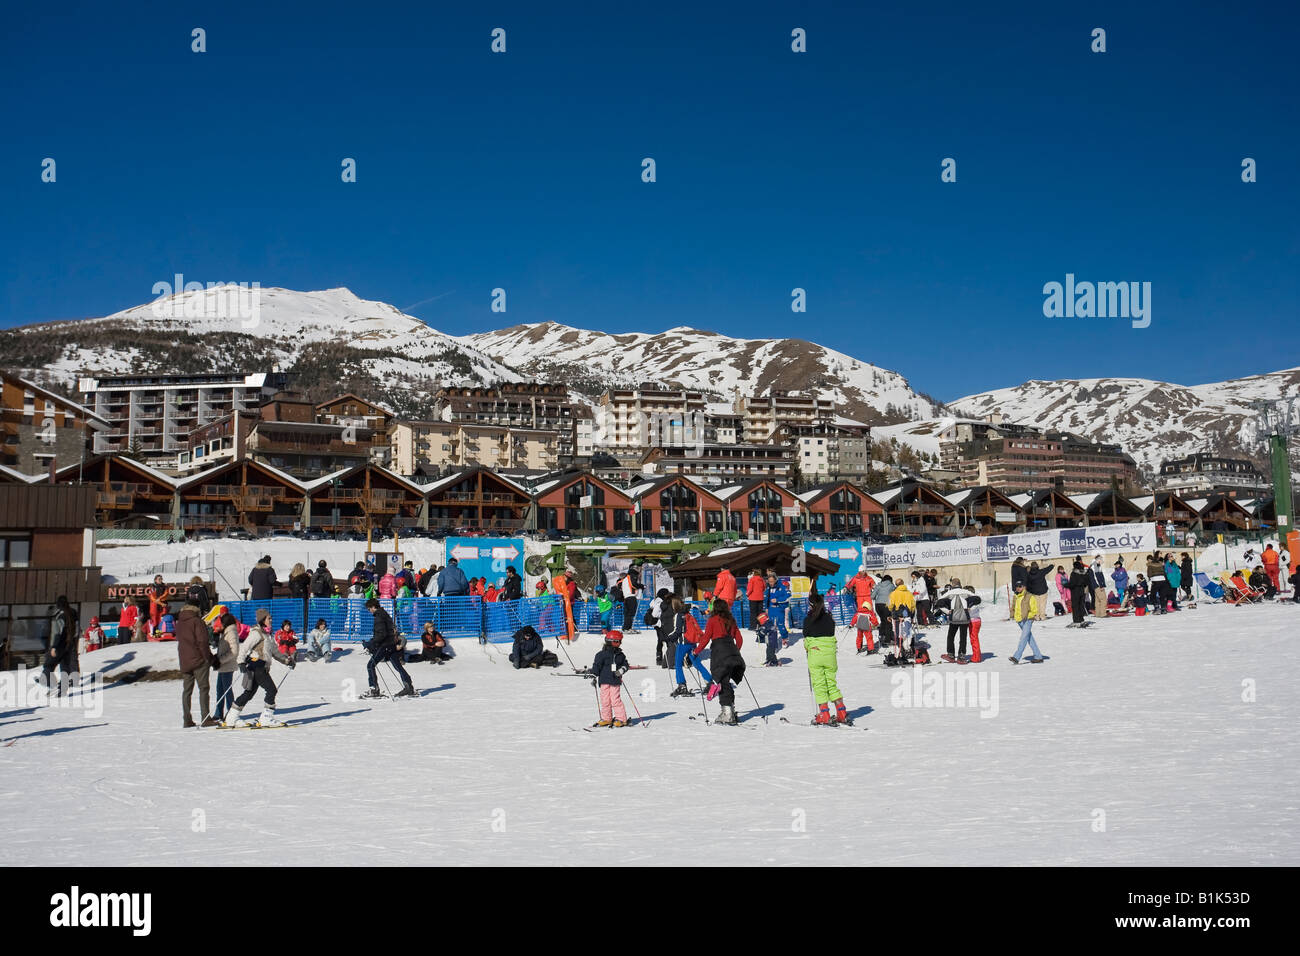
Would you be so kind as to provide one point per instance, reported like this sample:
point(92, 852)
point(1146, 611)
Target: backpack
point(322, 583)
point(694, 634)
point(652, 612)
point(616, 593)
point(197, 595)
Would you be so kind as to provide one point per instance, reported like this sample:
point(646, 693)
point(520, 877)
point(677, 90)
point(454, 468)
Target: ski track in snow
point(1141, 718)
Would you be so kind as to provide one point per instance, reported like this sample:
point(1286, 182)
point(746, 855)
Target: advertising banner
point(1032, 545)
point(487, 557)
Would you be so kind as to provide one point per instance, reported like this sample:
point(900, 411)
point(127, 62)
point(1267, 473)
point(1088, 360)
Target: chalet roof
point(775, 555)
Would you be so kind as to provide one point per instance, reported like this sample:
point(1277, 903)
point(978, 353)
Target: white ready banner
point(1032, 545)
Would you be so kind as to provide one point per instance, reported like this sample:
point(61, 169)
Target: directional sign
point(506, 554)
point(465, 552)
point(487, 557)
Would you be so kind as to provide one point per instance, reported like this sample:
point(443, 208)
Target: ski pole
point(379, 675)
point(631, 701)
point(596, 690)
point(757, 706)
point(703, 700)
point(560, 645)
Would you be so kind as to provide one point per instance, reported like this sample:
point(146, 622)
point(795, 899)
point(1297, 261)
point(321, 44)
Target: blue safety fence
point(472, 617)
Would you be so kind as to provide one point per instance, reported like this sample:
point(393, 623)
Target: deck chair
point(1231, 593)
point(1214, 590)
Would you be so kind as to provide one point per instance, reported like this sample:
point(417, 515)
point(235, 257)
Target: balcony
point(114, 500)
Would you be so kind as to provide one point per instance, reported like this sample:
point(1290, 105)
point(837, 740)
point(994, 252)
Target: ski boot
point(371, 694)
point(681, 691)
point(268, 719)
point(604, 723)
point(619, 723)
point(407, 691)
point(728, 715)
point(823, 717)
point(842, 714)
point(232, 718)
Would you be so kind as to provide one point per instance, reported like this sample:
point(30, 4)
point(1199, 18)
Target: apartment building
point(40, 429)
point(762, 415)
point(350, 409)
point(151, 416)
point(720, 464)
point(431, 447)
point(649, 415)
point(532, 406)
point(1202, 473)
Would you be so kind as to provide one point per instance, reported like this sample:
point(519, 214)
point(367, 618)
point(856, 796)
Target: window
point(15, 552)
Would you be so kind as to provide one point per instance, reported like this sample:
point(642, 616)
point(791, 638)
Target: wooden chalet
point(477, 498)
point(756, 507)
point(985, 510)
point(673, 505)
point(560, 507)
point(840, 507)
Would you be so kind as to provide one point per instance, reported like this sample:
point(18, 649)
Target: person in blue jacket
point(452, 581)
point(1120, 577)
point(776, 601)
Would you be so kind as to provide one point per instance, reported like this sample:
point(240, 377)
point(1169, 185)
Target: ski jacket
point(819, 625)
point(1061, 584)
point(452, 582)
point(1120, 578)
point(491, 593)
point(405, 577)
point(920, 590)
point(1187, 571)
point(725, 587)
point(385, 633)
point(528, 646)
point(261, 582)
point(128, 616)
point(1019, 575)
point(1173, 574)
point(228, 649)
point(1155, 571)
point(259, 648)
point(322, 583)
point(1036, 582)
point(881, 593)
point(359, 577)
point(192, 640)
point(1024, 607)
point(1269, 559)
point(1079, 582)
point(901, 599)
point(64, 627)
point(726, 641)
point(388, 586)
point(960, 604)
point(755, 587)
point(609, 666)
point(197, 595)
point(286, 641)
point(861, 585)
point(777, 596)
point(514, 589)
point(1097, 577)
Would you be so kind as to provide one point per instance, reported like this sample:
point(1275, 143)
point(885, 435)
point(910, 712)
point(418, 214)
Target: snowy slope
point(707, 361)
point(1152, 420)
point(490, 765)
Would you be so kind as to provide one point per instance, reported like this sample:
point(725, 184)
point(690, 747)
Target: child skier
point(604, 607)
point(820, 645)
point(286, 640)
point(776, 602)
point(767, 636)
point(254, 661)
point(865, 621)
point(92, 638)
point(607, 670)
point(321, 644)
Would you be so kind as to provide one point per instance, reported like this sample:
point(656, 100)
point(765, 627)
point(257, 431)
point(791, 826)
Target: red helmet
point(762, 619)
point(614, 637)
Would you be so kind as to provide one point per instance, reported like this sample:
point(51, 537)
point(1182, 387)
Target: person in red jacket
point(491, 593)
point(728, 666)
point(754, 589)
point(724, 588)
point(127, 621)
point(157, 598)
point(861, 585)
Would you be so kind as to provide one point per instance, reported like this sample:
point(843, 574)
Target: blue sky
point(775, 170)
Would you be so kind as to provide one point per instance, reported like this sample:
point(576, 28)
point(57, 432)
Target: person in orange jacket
point(724, 589)
point(1270, 561)
point(564, 585)
point(157, 598)
point(754, 589)
point(861, 585)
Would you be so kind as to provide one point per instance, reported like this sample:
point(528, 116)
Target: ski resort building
point(477, 499)
point(1048, 508)
point(761, 507)
point(579, 502)
point(1202, 473)
point(151, 416)
point(719, 464)
point(912, 509)
point(40, 429)
point(538, 407)
point(841, 508)
point(431, 447)
point(675, 505)
point(985, 510)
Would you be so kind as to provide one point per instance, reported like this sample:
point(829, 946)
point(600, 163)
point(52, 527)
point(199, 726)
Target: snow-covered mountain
point(707, 361)
point(330, 341)
point(1152, 420)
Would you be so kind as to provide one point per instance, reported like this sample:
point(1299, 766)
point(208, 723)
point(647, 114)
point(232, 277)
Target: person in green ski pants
point(819, 643)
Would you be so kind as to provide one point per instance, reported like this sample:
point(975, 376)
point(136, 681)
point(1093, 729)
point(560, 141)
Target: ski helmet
point(614, 637)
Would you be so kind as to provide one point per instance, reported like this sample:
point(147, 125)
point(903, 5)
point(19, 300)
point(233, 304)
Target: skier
point(385, 646)
point(767, 636)
point(724, 587)
point(659, 610)
point(860, 586)
point(728, 665)
point(1065, 605)
point(880, 598)
point(1078, 583)
point(629, 584)
point(254, 660)
point(902, 607)
point(607, 670)
point(1156, 582)
point(820, 645)
point(776, 602)
point(1173, 580)
point(604, 607)
point(866, 621)
point(1024, 611)
point(127, 620)
point(686, 635)
point(958, 602)
point(92, 638)
point(64, 629)
point(227, 654)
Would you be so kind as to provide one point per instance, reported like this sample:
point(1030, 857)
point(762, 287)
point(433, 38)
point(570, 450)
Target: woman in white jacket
point(921, 594)
point(254, 660)
point(227, 660)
